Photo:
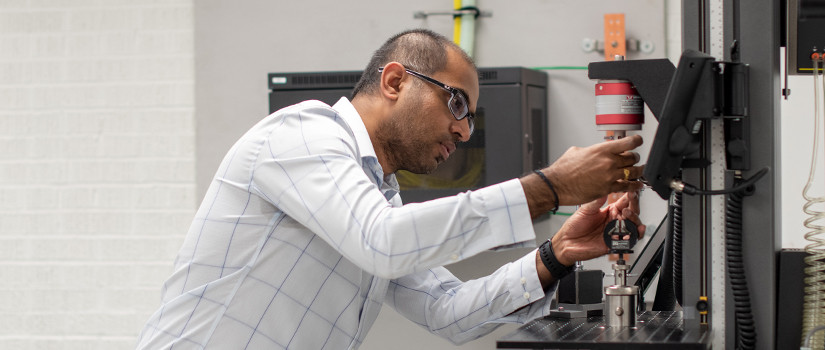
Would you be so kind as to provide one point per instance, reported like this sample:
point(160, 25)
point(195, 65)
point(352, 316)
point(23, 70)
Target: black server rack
point(509, 141)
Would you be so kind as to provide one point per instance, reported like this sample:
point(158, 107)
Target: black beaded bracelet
point(551, 263)
point(549, 184)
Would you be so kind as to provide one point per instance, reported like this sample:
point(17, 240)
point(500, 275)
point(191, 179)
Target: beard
point(407, 142)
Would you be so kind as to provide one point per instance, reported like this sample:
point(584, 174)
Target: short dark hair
point(421, 50)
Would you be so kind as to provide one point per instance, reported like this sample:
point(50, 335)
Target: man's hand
point(581, 236)
point(584, 174)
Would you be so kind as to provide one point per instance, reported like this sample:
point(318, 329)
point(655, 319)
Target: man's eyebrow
point(463, 92)
point(466, 95)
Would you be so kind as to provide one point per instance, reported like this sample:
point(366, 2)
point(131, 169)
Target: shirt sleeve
point(463, 311)
point(309, 166)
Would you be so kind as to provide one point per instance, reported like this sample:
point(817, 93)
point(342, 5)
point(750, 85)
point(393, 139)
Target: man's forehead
point(464, 79)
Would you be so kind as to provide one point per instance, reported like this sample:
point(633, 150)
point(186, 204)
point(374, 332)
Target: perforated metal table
point(654, 330)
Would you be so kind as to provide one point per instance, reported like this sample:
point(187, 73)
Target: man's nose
point(462, 129)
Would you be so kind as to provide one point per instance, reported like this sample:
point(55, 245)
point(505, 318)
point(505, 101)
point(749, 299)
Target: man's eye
point(458, 103)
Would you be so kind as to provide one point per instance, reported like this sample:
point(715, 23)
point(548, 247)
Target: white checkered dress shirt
point(300, 239)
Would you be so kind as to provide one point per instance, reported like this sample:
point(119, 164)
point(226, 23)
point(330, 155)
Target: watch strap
point(551, 263)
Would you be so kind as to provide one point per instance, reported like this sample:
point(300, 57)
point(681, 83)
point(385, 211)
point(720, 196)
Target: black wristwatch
point(551, 263)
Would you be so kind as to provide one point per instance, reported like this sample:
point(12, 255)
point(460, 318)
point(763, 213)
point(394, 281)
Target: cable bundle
point(813, 312)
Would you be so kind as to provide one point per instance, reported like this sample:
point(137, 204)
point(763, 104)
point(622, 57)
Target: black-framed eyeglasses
point(458, 103)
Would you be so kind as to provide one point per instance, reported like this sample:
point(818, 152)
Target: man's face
point(422, 132)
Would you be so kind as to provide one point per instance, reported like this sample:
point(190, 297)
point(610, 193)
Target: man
point(301, 236)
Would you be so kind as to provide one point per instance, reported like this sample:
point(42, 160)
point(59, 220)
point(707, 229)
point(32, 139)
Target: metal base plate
point(654, 330)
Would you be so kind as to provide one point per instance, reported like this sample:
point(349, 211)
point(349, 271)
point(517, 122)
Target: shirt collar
point(348, 113)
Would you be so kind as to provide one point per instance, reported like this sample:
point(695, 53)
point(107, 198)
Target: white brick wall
point(96, 166)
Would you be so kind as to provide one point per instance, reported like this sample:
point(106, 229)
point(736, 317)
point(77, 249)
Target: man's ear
point(391, 79)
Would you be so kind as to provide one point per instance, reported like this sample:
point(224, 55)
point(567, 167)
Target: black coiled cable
point(745, 328)
point(677, 247)
point(665, 300)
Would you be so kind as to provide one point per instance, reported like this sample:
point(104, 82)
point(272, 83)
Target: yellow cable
point(457, 23)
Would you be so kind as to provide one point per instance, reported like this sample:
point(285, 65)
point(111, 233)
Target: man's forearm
point(540, 199)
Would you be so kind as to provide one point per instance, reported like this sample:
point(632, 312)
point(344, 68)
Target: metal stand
point(621, 298)
point(580, 294)
point(569, 311)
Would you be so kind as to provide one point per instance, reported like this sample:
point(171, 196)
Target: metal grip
point(620, 228)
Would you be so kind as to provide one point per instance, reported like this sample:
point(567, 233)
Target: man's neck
point(372, 112)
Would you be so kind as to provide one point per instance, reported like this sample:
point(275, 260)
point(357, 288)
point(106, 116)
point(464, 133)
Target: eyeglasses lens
point(460, 110)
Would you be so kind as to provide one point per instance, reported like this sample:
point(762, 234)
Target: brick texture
point(97, 158)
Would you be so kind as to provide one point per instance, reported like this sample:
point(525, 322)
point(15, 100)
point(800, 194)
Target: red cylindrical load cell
point(618, 106)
